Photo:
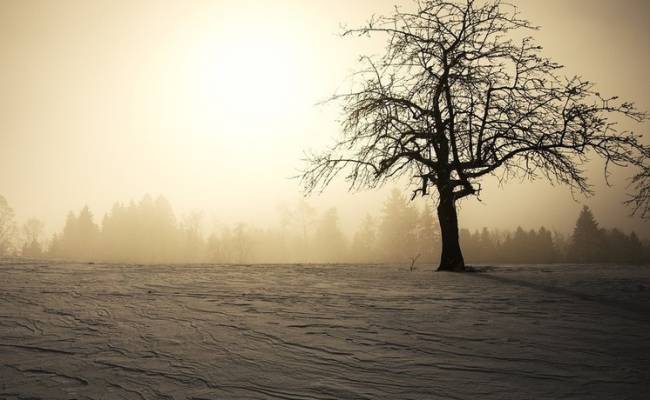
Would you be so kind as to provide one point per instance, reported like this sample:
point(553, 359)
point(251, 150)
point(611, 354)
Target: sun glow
point(253, 76)
point(249, 76)
point(234, 94)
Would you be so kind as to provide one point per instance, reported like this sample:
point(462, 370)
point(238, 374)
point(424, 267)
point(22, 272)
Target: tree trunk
point(451, 258)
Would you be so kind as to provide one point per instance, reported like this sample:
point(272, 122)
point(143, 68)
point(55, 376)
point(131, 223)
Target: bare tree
point(640, 198)
point(455, 98)
point(33, 230)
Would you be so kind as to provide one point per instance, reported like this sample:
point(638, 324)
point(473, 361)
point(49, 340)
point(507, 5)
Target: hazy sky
point(212, 103)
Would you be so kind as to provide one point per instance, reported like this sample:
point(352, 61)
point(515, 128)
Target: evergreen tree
point(428, 235)
point(241, 244)
point(587, 242)
point(466, 239)
point(69, 238)
point(487, 246)
point(80, 237)
point(546, 250)
point(329, 240)
point(32, 231)
point(398, 228)
point(7, 227)
point(364, 243)
point(55, 250)
point(635, 249)
point(88, 234)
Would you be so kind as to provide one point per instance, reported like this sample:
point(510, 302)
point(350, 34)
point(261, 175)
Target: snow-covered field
point(77, 331)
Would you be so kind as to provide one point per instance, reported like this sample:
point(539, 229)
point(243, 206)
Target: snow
point(323, 332)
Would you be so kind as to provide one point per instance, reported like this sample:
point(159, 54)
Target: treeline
point(148, 231)
point(587, 244)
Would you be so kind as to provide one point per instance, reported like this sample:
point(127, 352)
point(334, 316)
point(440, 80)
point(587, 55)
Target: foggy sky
point(213, 103)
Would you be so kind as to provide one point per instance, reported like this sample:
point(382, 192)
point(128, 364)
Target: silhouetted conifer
point(588, 242)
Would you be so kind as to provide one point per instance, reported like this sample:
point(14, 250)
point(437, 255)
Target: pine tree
point(398, 231)
point(364, 244)
point(546, 250)
point(329, 242)
point(587, 242)
point(428, 233)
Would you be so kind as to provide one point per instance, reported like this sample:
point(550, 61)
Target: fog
point(156, 240)
point(212, 105)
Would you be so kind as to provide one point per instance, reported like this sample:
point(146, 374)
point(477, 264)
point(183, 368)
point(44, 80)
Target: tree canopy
point(455, 93)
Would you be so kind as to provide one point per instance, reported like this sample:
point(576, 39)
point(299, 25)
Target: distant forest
point(149, 232)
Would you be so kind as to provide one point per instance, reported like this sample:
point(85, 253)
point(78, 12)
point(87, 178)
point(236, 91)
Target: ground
point(80, 331)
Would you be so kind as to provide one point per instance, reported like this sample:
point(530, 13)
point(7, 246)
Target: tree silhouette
point(546, 251)
point(302, 218)
point(640, 198)
point(398, 228)
point(621, 248)
point(454, 99)
point(364, 243)
point(7, 226)
point(32, 231)
point(428, 234)
point(192, 237)
point(588, 240)
point(79, 239)
point(330, 241)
